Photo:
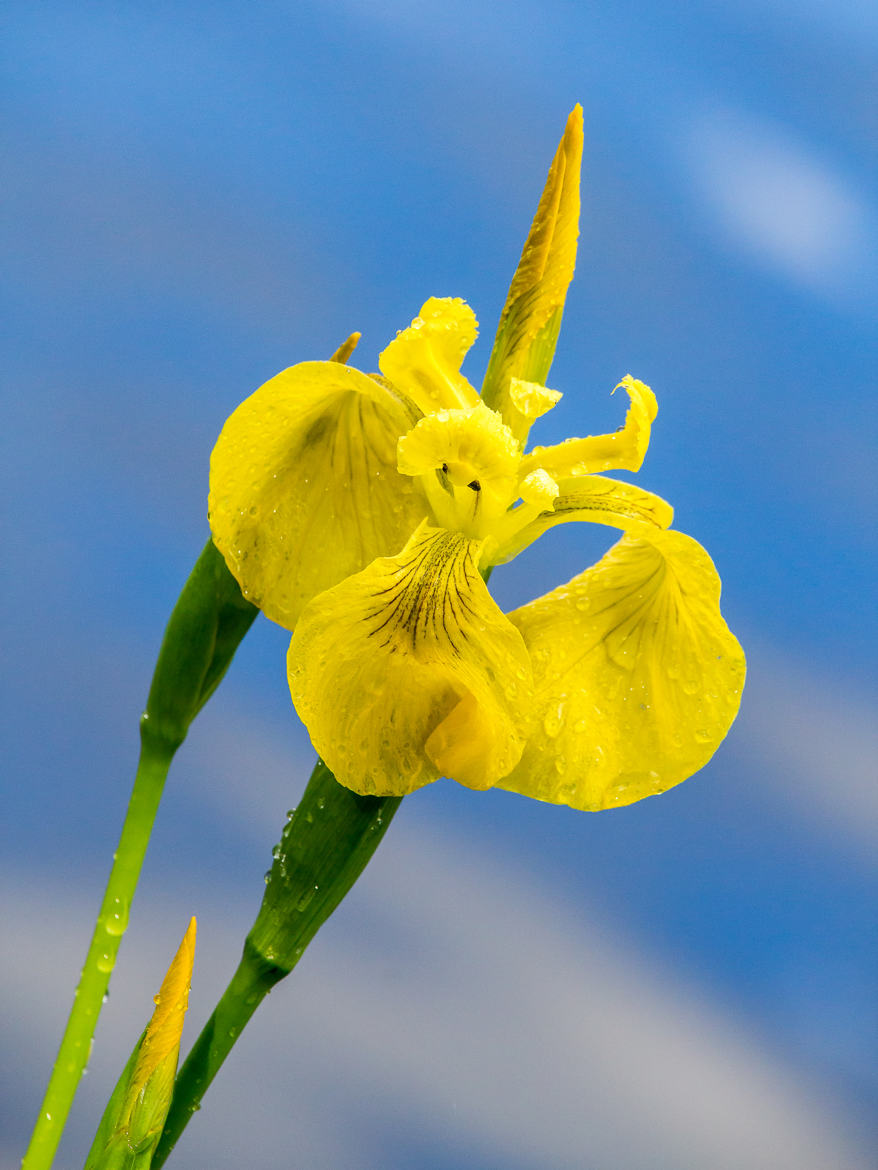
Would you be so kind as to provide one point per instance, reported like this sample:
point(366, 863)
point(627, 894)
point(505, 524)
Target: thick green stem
point(323, 850)
point(206, 627)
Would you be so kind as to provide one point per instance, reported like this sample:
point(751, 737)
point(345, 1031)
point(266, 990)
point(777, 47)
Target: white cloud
point(816, 742)
point(455, 1003)
point(779, 201)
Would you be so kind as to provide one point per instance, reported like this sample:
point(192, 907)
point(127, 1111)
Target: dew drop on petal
point(554, 720)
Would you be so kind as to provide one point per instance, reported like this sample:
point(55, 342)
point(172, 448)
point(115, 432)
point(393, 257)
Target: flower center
point(467, 461)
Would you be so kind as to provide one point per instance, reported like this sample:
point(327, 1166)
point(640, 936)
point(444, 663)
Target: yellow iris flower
point(362, 512)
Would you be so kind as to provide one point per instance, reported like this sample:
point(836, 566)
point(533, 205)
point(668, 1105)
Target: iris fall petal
point(408, 671)
point(637, 677)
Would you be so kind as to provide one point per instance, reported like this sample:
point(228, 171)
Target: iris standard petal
point(637, 676)
point(425, 359)
point(408, 671)
point(304, 488)
point(623, 450)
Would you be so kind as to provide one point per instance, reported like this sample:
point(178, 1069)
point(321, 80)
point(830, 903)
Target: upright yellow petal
point(408, 671)
point(531, 317)
point(424, 360)
point(623, 450)
point(636, 674)
point(304, 488)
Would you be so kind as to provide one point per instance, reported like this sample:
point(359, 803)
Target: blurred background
point(197, 196)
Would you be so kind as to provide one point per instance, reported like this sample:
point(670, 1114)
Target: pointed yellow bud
point(531, 317)
point(162, 1037)
point(148, 1096)
point(135, 1114)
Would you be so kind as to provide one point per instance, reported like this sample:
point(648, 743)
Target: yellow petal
point(531, 317)
point(424, 360)
point(594, 498)
point(408, 671)
point(532, 400)
point(621, 451)
point(636, 674)
point(304, 488)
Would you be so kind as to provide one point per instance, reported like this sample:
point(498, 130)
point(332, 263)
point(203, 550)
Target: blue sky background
point(197, 196)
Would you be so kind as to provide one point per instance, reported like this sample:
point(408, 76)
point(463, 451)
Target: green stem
point(111, 923)
point(323, 850)
point(206, 627)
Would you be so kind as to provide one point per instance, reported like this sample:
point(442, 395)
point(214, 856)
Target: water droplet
point(702, 735)
point(105, 962)
point(305, 899)
point(116, 918)
point(554, 720)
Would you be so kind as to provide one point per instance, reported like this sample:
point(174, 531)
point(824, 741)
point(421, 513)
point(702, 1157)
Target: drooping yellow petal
point(424, 360)
point(408, 671)
point(621, 451)
point(637, 677)
point(304, 488)
point(531, 317)
point(594, 498)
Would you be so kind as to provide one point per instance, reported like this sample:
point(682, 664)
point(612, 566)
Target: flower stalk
point(204, 631)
